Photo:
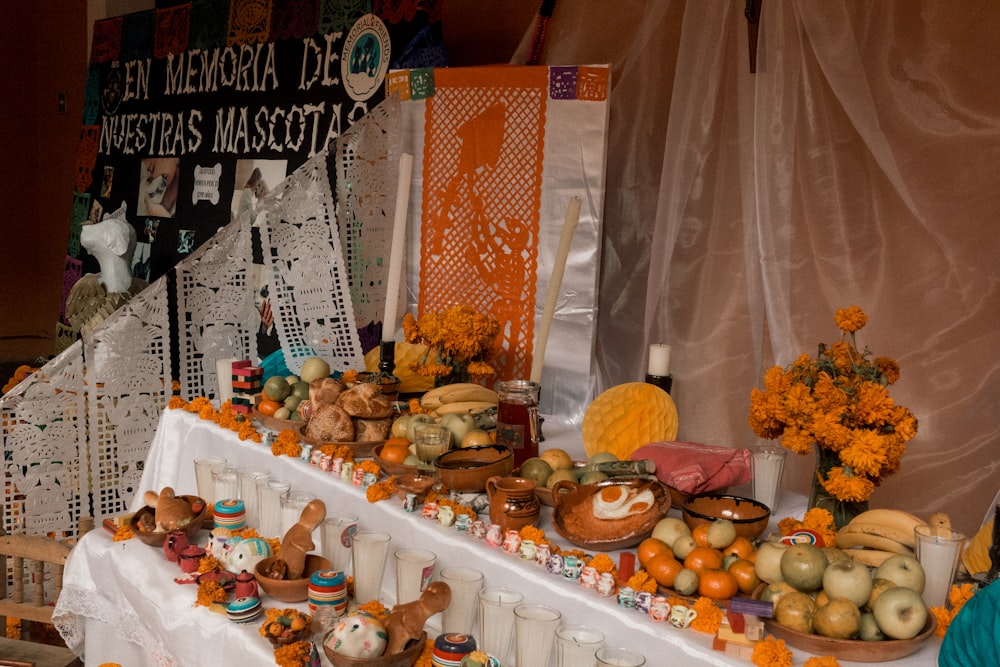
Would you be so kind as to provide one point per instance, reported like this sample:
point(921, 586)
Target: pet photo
point(158, 186)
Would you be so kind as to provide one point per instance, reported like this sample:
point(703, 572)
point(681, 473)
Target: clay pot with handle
point(175, 542)
point(513, 504)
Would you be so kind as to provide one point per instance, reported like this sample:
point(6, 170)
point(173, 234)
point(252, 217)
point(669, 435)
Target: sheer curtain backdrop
point(857, 166)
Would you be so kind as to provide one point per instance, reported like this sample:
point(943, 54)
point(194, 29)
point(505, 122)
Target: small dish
point(156, 539)
point(574, 517)
point(416, 484)
point(405, 658)
point(466, 469)
point(749, 516)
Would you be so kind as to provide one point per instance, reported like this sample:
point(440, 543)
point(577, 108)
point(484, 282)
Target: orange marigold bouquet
point(458, 342)
point(839, 404)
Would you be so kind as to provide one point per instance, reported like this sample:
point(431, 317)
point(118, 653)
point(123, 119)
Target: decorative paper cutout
point(107, 40)
point(209, 24)
point(396, 11)
point(340, 15)
point(482, 170)
point(368, 164)
point(206, 184)
point(249, 21)
point(592, 84)
point(294, 19)
point(86, 156)
point(173, 25)
point(138, 32)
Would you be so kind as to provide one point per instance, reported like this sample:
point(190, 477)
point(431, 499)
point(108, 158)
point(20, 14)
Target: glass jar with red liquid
point(517, 418)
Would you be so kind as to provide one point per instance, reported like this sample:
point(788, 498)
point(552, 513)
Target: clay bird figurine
point(298, 541)
point(406, 621)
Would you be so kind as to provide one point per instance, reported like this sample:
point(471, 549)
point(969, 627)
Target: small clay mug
point(175, 543)
point(190, 558)
point(246, 585)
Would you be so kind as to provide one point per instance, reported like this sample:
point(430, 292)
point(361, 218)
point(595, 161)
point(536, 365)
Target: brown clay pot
point(513, 503)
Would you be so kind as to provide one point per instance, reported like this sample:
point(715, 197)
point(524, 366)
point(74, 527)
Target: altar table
point(120, 604)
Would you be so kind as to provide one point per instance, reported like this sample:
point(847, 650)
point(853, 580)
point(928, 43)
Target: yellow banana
point(870, 557)
point(458, 392)
point(891, 532)
point(462, 407)
point(899, 521)
point(873, 536)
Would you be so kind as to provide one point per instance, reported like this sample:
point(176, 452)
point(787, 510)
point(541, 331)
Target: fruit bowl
point(748, 516)
point(273, 423)
point(391, 467)
point(156, 539)
point(466, 470)
point(855, 650)
point(574, 517)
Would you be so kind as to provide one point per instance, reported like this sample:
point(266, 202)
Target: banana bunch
point(461, 398)
point(881, 533)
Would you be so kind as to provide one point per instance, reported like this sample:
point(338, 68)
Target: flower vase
point(842, 510)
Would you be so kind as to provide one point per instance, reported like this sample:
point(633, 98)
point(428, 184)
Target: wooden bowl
point(389, 467)
point(157, 539)
point(361, 450)
point(274, 423)
point(289, 590)
point(855, 650)
point(748, 515)
point(574, 518)
point(466, 469)
point(405, 658)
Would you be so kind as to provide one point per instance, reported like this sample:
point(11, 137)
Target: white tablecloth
point(120, 603)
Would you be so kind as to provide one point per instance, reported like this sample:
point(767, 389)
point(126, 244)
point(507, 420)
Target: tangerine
point(664, 568)
point(703, 558)
point(268, 407)
point(394, 452)
point(700, 534)
point(746, 575)
point(717, 584)
point(741, 547)
point(649, 547)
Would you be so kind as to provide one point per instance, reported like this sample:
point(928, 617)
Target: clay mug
point(513, 503)
point(190, 558)
point(246, 585)
point(446, 515)
point(175, 542)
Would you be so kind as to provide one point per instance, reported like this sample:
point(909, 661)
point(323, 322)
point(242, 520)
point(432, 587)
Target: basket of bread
point(359, 415)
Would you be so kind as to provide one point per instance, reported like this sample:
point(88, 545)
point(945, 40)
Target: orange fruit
point(650, 547)
point(394, 452)
point(703, 558)
point(268, 407)
point(663, 567)
point(717, 584)
point(700, 534)
point(746, 575)
point(741, 547)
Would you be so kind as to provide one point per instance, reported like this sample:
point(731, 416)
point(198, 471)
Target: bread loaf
point(365, 400)
point(323, 391)
point(330, 423)
point(371, 430)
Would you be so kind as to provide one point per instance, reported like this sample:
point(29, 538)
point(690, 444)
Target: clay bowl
point(418, 485)
point(854, 650)
point(405, 658)
point(466, 469)
point(157, 539)
point(273, 423)
point(574, 517)
point(749, 516)
point(289, 590)
point(389, 467)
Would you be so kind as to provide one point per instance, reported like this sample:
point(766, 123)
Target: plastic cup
point(535, 631)
point(619, 657)
point(269, 492)
point(767, 463)
point(370, 552)
point(938, 550)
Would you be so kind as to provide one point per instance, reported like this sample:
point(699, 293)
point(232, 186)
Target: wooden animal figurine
point(298, 541)
point(406, 621)
point(170, 512)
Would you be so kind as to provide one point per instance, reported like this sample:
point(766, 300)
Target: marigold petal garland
point(838, 405)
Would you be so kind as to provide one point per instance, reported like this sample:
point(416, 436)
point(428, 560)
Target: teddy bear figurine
point(169, 511)
point(298, 542)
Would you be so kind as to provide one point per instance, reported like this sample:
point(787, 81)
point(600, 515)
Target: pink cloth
point(691, 467)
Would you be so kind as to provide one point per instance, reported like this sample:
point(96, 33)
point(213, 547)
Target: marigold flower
point(850, 319)
point(709, 616)
point(771, 652)
point(822, 661)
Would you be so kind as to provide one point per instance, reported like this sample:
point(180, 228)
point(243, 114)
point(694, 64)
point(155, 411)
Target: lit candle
point(659, 360)
point(396, 249)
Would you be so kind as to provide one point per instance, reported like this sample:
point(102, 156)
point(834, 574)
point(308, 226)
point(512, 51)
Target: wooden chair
point(46, 556)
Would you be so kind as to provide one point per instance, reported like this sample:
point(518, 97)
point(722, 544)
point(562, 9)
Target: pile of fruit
point(282, 396)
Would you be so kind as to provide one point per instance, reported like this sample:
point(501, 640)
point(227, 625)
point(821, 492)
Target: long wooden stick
point(555, 286)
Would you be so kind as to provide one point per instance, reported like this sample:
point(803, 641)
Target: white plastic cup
point(269, 492)
point(336, 537)
point(767, 463)
point(370, 552)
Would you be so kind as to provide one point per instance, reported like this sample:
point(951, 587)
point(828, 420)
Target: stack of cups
point(231, 514)
point(328, 590)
